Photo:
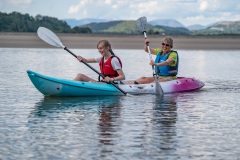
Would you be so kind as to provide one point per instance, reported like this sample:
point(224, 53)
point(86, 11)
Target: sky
point(187, 12)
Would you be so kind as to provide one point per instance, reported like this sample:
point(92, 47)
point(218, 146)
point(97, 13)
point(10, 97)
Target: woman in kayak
point(110, 65)
point(166, 62)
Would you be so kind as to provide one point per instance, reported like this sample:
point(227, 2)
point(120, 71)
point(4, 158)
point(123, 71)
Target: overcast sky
point(187, 12)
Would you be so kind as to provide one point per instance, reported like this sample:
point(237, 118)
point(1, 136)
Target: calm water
point(204, 124)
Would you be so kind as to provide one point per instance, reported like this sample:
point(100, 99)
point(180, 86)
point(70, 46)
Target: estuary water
point(203, 124)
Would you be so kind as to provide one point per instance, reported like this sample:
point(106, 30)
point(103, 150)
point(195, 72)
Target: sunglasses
point(164, 44)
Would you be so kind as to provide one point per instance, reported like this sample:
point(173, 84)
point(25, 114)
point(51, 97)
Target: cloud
point(146, 7)
point(75, 8)
point(203, 5)
point(180, 1)
point(108, 2)
point(20, 2)
point(185, 11)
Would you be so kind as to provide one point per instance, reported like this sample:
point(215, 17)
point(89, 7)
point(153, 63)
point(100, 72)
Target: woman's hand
point(152, 63)
point(147, 41)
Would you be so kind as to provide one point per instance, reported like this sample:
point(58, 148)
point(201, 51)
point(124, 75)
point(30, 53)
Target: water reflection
point(109, 124)
point(165, 110)
point(79, 121)
point(60, 104)
point(163, 121)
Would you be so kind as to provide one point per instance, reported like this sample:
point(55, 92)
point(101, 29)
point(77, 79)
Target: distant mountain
point(166, 22)
point(73, 22)
point(122, 26)
point(158, 26)
point(130, 27)
point(220, 28)
point(196, 27)
point(226, 26)
point(173, 30)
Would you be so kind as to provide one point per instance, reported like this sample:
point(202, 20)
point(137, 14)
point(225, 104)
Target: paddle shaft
point(149, 52)
point(159, 88)
point(142, 25)
point(65, 48)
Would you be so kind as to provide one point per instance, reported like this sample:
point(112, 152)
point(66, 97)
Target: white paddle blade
point(158, 88)
point(49, 37)
point(142, 24)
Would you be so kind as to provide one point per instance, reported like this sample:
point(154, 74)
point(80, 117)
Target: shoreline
point(89, 41)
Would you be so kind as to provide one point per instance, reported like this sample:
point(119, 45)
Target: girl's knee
point(79, 75)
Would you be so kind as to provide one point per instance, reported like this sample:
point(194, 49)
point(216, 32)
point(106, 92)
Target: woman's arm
point(146, 48)
point(169, 61)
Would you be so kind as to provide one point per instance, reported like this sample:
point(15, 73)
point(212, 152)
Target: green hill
point(220, 28)
point(120, 27)
point(129, 27)
point(126, 27)
point(174, 31)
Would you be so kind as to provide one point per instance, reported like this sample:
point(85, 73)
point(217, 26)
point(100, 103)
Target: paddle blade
point(142, 24)
point(49, 37)
point(158, 88)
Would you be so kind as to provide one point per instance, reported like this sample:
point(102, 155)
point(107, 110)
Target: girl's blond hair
point(106, 44)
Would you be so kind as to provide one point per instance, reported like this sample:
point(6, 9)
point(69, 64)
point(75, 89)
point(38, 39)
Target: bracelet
point(111, 80)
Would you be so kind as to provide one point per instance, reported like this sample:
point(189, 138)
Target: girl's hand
point(108, 79)
point(81, 58)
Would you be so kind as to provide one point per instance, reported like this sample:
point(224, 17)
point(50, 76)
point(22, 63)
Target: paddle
point(49, 37)
point(142, 25)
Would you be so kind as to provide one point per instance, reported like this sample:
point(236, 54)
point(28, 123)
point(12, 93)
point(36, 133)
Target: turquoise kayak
point(51, 86)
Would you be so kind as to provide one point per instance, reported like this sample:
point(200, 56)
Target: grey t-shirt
point(115, 62)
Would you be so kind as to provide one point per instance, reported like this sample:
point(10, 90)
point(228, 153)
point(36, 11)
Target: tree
point(81, 30)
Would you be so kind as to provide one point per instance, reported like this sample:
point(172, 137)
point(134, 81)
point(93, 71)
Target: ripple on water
point(202, 124)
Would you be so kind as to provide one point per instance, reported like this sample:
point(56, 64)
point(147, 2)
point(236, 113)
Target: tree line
point(17, 22)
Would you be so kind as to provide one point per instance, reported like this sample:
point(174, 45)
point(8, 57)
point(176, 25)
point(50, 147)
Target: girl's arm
point(87, 60)
point(120, 77)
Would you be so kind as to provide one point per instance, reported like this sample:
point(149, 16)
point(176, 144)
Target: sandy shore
point(88, 41)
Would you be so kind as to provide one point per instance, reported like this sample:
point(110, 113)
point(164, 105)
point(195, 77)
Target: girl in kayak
point(110, 65)
point(166, 62)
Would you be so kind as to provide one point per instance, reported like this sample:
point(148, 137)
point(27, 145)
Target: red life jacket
point(107, 69)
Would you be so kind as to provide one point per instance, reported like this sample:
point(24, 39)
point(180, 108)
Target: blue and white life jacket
point(166, 70)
